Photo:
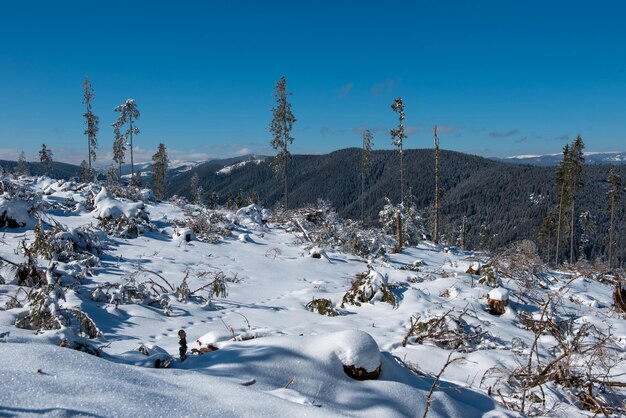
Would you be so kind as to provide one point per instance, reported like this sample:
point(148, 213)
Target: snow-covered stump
point(474, 268)
point(619, 298)
point(358, 353)
point(498, 299)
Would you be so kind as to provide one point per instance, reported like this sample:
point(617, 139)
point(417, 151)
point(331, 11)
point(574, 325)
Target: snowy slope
point(274, 357)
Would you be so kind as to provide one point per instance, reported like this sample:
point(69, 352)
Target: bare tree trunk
point(132, 164)
point(463, 226)
point(399, 244)
point(571, 236)
point(363, 196)
point(286, 188)
point(437, 203)
point(558, 227)
point(401, 177)
point(611, 236)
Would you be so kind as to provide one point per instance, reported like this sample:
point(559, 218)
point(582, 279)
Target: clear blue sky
point(499, 77)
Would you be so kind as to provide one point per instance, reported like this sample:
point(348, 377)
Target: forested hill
point(509, 199)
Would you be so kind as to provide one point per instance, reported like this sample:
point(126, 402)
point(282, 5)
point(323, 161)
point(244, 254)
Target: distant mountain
point(510, 199)
point(551, 160)
point(59, 170)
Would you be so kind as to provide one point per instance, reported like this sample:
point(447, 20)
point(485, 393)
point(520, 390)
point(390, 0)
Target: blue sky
point(499, 78)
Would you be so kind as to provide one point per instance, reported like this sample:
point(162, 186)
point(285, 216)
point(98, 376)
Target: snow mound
point(252, 215)
point(356, 348)
point(107, 206)
point(15, 214)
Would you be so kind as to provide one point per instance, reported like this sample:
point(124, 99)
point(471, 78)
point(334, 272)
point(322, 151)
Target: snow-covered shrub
point(490, 277)
point(447, 331)
point(43, 305)
point(252, 216)
point(120, 218)
point(322, 306)
point(209, 225)
point(369, 287)
point(81, 244)
point(412, 224)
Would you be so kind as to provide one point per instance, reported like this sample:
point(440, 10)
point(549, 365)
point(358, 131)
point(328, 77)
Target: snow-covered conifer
point(91, 121)
point(280, 127)
point(128, 112)
point(45, 157)
point(159, 171)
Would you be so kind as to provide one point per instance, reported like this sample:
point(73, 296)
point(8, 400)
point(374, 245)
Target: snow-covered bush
point(412, 224)
point(370, 286)
point(208, 225)
point(447, 331)
point(490, 277)
point(322, 306)
point(120, 218)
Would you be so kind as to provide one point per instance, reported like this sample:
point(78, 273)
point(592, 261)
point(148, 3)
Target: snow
point(107, 206)
point(499, 293)
point(228, 169)
point(274, 357)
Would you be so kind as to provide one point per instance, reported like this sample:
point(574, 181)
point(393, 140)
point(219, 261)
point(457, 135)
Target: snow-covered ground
point(272, 356)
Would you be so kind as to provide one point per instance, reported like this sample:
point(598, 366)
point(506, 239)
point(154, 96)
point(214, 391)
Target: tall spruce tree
point(437, 190)
point(365, 163)
point(45, 157)
point(398, 136)
point(91, 123)
point(159, 171)
point(280, 128)
point(614, 196)
point(196, 189)
point(576, 183)
point(21, 168)
point(563, 190)
point(129, 113)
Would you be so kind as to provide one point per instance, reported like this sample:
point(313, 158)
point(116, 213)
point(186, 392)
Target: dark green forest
point(509, 200)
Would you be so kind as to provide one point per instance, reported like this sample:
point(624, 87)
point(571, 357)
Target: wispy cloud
point(498, 134)
point(442, 129)
point(373, 129)
point(385, 86)
point(345, 90)
point(410, 130)
point(564, 137)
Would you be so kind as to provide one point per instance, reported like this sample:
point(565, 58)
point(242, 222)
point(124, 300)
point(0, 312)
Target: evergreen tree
point(212, 200)
point(112, 177)
point(159, 171)
point(91, 122)
point(129, 112)
point(548, 231)
point(119, 148)
point(438, 193)
point(614, 196)
point(45, 157)
point(485, 238)
point(85, 172)
point(562, 184)
point(196, 189)
point(21, 168)
point(587, 227)
point(365, 163)
point(398, 136)
point(576, 183)
point(280, 127)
